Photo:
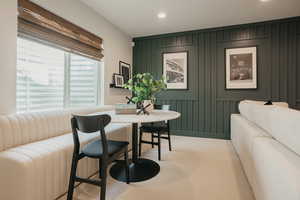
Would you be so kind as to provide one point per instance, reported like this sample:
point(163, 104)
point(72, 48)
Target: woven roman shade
point(40, 24)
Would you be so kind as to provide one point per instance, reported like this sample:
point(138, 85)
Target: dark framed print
point(175, 70)
point(118, 80)
point(125, 71)
point(241, 68)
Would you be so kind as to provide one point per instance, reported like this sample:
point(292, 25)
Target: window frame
point(67, 76)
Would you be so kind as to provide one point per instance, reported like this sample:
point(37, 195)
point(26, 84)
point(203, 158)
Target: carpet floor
point(196, 169)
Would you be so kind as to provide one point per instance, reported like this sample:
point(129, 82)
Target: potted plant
point(144, 87)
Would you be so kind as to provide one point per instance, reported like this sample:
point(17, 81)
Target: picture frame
point(118, 80)
point(125, 71)
point(175, 70)
point(241, 68)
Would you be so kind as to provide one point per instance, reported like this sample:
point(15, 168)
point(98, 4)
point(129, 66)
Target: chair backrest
point(162, 107)
point(90, 124)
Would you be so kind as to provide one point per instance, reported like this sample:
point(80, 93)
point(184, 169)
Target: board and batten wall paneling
point(298, 67)
point(206, 106)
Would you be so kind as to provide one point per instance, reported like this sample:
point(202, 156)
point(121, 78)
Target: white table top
point(154, 116)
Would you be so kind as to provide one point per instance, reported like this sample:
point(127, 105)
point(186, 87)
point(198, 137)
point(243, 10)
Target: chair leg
point(103, 173)
point(169, 136)
point(159, 146)
point(152, 140)
point(127, 167)
point(140, 143)
point(72, 177)
point(100, 172)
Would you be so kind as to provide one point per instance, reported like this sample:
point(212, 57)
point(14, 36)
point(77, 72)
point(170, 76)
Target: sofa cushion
point(20, 129)
point(41, 170)
point(280, 122)
point(277, 171)
point(257, 112)
point(281, 104)
point(286, 127)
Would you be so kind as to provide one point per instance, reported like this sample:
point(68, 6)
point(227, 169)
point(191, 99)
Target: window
point(83, 81)
point(50, 78)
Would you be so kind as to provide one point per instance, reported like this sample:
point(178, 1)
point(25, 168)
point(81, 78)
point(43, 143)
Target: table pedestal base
point(140, 170)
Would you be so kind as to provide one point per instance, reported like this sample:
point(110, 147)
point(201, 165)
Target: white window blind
point(83, 81)
point(49, 78)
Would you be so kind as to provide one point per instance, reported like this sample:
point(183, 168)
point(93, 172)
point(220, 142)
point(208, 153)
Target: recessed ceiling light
point(162, 15)
point(265, 0)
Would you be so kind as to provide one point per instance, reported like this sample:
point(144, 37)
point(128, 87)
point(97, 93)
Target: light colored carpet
point(196, 169)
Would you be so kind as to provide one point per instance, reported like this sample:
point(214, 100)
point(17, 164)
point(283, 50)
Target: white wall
point(8, 35)
point(117, 46)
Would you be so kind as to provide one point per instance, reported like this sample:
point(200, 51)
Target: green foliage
point(144, 87)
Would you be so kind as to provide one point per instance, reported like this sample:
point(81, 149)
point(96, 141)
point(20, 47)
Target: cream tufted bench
point(36, 151)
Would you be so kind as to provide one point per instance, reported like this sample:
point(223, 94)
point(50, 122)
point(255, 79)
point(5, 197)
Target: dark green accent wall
point(206, 107)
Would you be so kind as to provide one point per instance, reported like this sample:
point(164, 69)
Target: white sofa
point(267, 140)
point(36, 151)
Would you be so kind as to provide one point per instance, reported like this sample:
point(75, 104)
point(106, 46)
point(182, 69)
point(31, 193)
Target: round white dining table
point(141, 169)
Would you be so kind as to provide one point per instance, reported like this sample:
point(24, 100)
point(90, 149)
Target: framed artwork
point(241, 68)
point(118, 80)
point(175, 70)
point(125, 71)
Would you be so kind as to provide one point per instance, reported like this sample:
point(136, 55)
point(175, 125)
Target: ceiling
point(139, 17)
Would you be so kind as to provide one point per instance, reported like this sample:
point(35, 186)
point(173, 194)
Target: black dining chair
point(107, 151)
point(156, 129)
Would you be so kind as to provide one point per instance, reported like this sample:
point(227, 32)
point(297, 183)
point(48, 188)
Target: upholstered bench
point(36, 151)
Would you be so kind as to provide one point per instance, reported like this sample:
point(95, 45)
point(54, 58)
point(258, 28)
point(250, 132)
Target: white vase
point(149, 108)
